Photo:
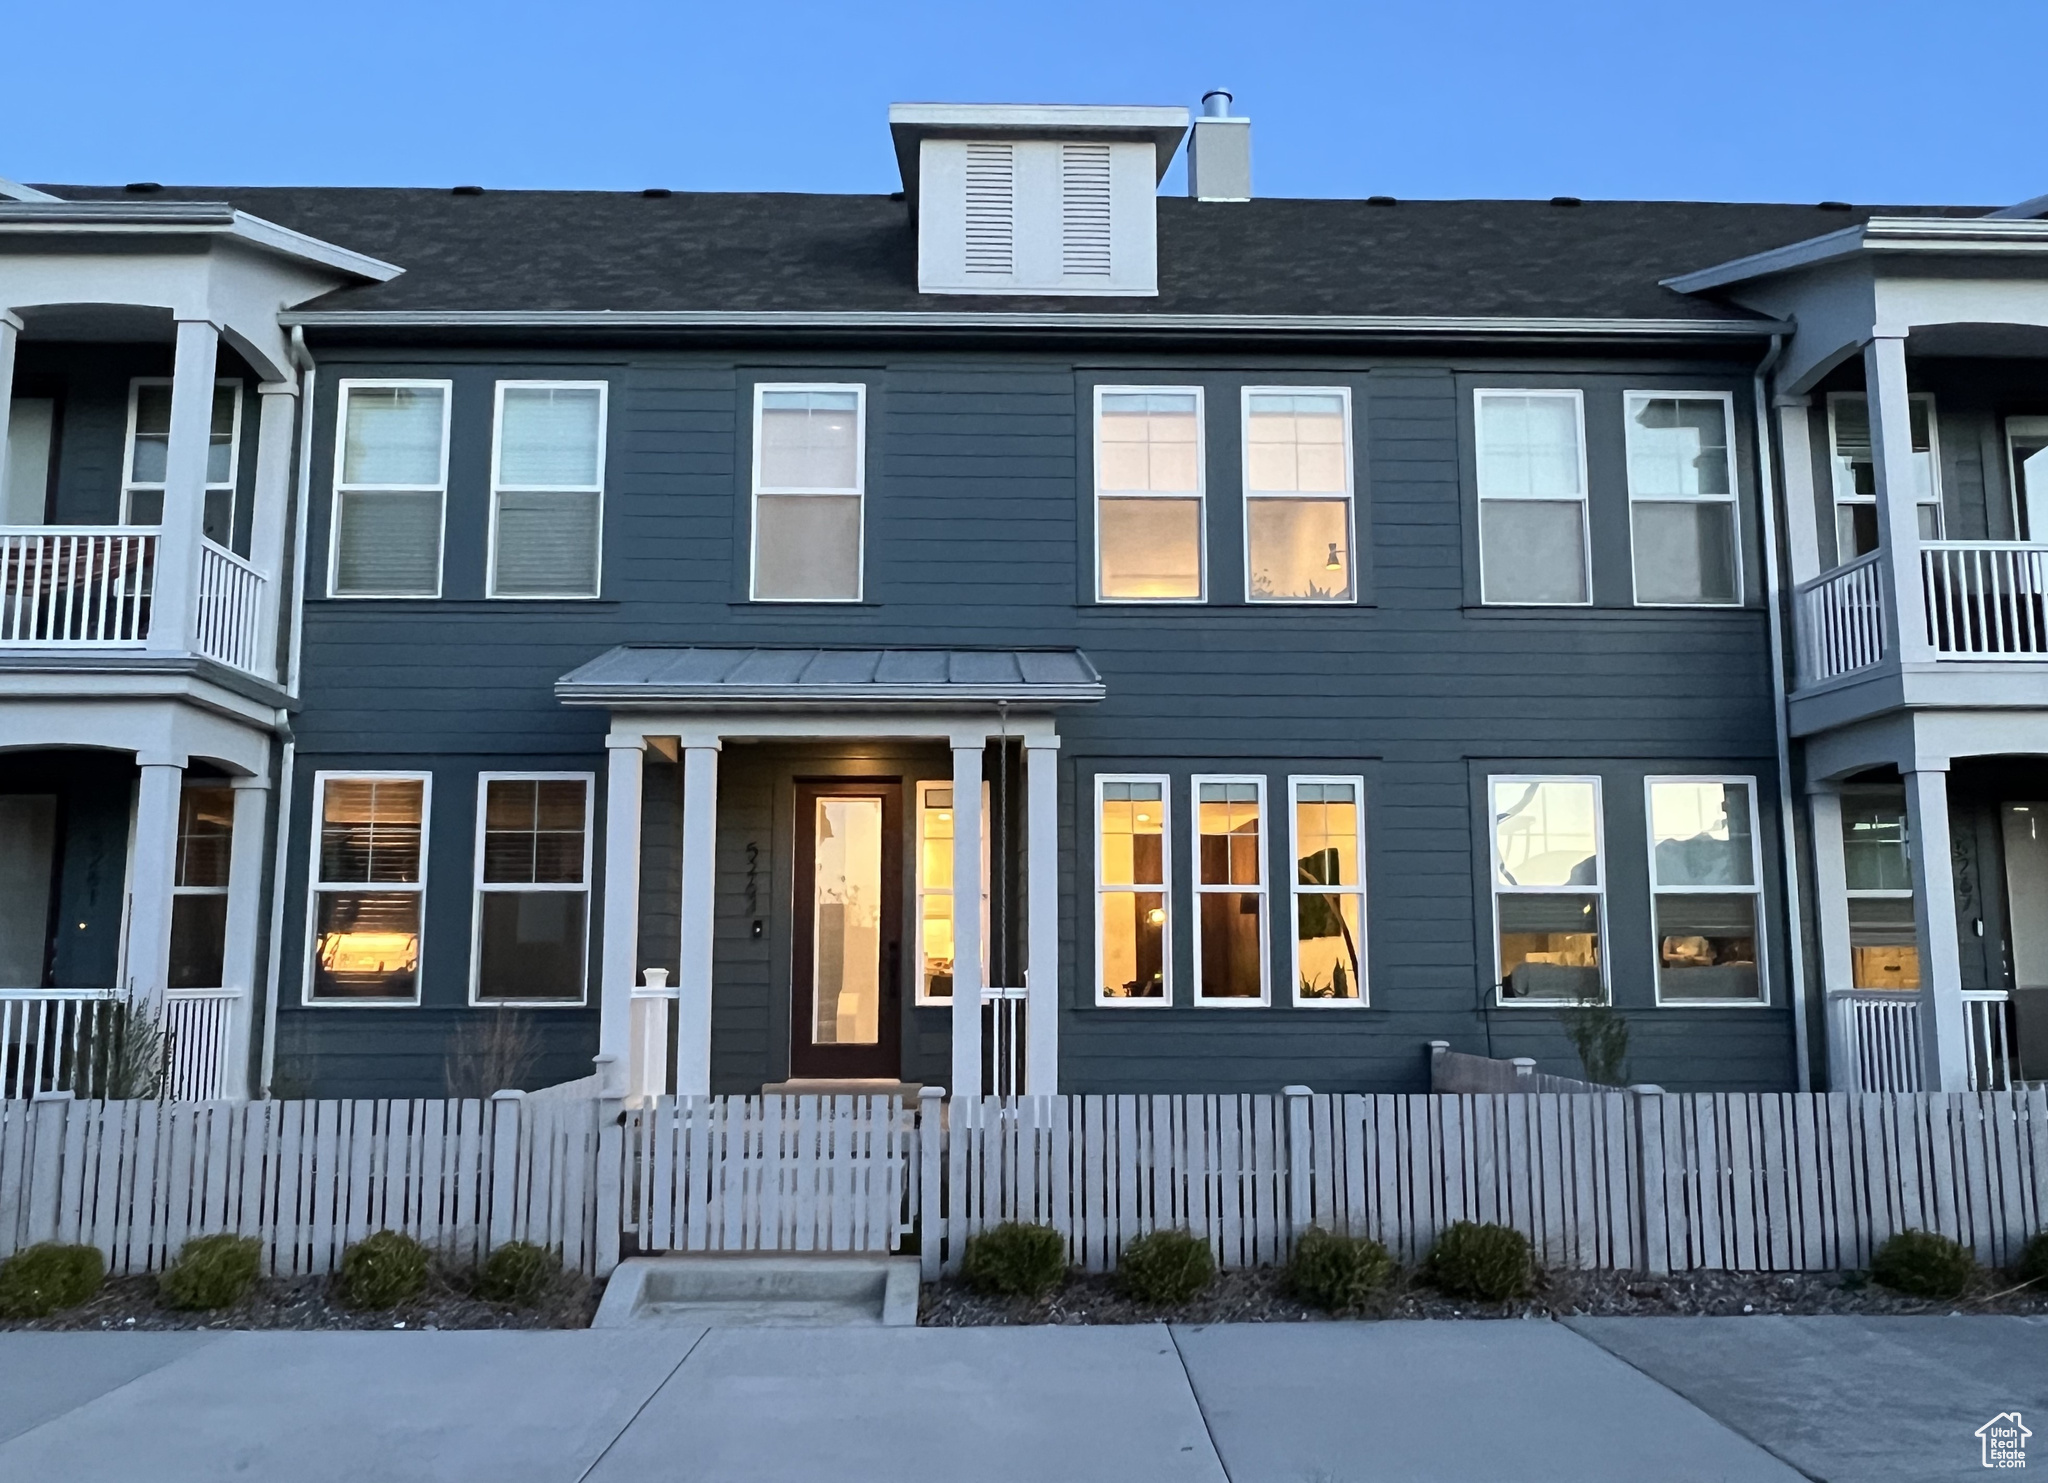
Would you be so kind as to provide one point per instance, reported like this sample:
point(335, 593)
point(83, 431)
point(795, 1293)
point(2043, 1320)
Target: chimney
point(1220, 152)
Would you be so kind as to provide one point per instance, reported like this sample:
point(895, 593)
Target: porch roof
point(636, 675)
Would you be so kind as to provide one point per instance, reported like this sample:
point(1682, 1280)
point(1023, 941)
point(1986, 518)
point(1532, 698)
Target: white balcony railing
point(1994, 1047)
point(229, 623)
point(1841, 621)
point(1874, 1040)
point(75, 586)
point(1986, 599)
point(83, 1041)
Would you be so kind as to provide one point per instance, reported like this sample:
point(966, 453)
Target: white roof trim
point(1892, 234)
point(1442, 325)
point(909, 123)
point(201, 218)
point(14, 190)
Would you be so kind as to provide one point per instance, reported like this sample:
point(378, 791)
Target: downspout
point(303, 359)
point(1788, 837)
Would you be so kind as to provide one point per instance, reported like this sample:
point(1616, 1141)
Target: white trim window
point(1326, 842)
point(1133, 923)
point(147, 459)
point(547, 488)
point(935, 891)
point(1706, 890)
point(1877, 870)
point(365, 926)
point(1534, 544)
point(199, 893)
point(530, 938)
point(1230, 890)
point(1298, 523)
point(1549, 891)
point(390, 488)
point(1149, 467)
point(1683, 531)
point(1853, 468)
point(810, 478)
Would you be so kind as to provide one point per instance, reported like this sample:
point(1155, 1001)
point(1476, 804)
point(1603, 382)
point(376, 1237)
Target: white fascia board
point(1900, 234)
point(181, 218)
point(912, 123)
point(14, 190)
point(1450, 326)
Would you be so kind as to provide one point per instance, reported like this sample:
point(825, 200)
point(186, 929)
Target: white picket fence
point(306, 1179)
point(1655, 1182)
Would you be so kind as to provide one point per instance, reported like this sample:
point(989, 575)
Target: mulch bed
point(129, 1304)
point(1257, 1296)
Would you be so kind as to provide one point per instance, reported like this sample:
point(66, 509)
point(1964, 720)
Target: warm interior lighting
point(1156, 916)
point(369, 952)
point(1333, 564)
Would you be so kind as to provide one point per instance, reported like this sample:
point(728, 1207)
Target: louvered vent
point(1084, 210)
point(991, 199)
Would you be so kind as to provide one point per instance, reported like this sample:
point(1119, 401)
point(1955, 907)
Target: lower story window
point(532, 889)
point(1548, 887)
point(369, 874)
point(1706, 875)
point(935, 891)
point(199, 900)
point(1130, 890)
point(1877, 861)
point(1230, 893)
point(1329, 893)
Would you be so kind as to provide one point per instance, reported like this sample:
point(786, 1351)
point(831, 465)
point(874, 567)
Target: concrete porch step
point(761, 1290)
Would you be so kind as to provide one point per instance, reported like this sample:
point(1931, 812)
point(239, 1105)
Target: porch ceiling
point(634, 675)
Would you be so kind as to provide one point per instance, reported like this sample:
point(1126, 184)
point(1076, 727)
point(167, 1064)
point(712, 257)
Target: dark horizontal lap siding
point(978, 532)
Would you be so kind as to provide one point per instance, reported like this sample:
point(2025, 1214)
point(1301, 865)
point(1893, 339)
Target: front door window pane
point(847, 921)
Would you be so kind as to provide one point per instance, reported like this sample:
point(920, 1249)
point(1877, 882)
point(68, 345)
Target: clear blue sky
point(1876, 102)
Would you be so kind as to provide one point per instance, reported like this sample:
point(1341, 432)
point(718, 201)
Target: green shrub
point(519, 1273)
point(1337, 1273)
point(38, 1280)
point(383, 1270)
point(1486, 1262)
point(1015, 1260)
point(211, 1272)
point(1924, 1265)
point(2033, 1263)
point(1165, 1267)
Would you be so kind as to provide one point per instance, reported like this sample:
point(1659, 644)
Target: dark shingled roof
point(595, 250)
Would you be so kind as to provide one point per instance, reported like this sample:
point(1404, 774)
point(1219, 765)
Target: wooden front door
point(846, 984)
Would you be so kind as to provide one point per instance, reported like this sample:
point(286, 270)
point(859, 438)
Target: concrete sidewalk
point(1686, 1400)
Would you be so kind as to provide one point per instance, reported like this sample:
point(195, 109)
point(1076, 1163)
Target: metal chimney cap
point(1216, 103)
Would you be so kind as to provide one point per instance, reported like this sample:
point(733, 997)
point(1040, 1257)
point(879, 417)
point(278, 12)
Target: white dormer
point(1035, 199)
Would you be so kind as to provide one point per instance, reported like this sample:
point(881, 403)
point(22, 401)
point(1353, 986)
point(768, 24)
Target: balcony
point(90, 588)
point(1874, 1041)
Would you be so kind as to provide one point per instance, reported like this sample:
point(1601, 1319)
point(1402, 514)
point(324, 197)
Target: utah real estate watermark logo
point(2005, 1441)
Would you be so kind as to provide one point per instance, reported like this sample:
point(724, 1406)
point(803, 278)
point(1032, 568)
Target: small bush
point(519, 1273)
point(211, 1272)
point(1015, 1260)
point(1923, 1265)
point(1165, 1267)
point(2033, 1263)
point(1337, 1273)
point(382, 1270)
point(38, 1280)
point(1486, 1262)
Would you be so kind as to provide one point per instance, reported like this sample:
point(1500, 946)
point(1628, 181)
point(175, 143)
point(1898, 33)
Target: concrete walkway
point(1685, 1400)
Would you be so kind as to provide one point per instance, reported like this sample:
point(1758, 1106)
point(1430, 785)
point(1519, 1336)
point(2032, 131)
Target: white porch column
point(1943, 1026)
point(1042, 919)
point(699, 916)
point(1831, 925)
point(1802, 510)
point(271, 515)
point(619, 965)
point(10, 335)
point(174, 599)
point(245, 914)
point(152, 876)
point(967, 975)
point(1898, 513)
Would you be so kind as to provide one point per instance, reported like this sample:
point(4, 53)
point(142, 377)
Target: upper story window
point(1297, 493)
point(547, 488)
point(810, 463)
point(1548, 888)
point(1681, 490)
point(1707, 878)
point(369, 881)
point(390, 489)
point(149, 451)
point(1148, 494)
point(1854, 472)
point(1533, 540)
